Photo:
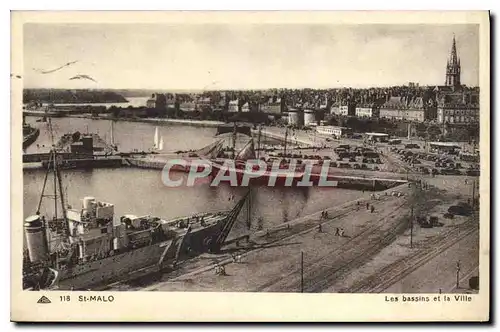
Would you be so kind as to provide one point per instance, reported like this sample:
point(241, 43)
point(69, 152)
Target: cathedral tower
point(453, 67)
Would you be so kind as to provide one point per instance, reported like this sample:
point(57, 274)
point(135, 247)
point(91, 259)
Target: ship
point(30, 134)
point(90, 247)
point(82, 151)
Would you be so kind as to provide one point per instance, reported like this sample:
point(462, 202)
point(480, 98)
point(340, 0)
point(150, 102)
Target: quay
point(375, 253)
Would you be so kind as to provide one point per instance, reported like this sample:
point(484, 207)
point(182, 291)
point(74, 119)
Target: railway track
point(317, 278)
point(390, 274)
point(357, 254)
point(311, 222)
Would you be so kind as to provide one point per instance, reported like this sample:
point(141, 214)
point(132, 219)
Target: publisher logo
point(44, 300)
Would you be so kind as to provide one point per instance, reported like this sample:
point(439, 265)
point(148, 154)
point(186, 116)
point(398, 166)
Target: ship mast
point(52, 167)
point(286, 139)
point(258, 142)
point(234, 141)
point(249, 208)
point(112, 134)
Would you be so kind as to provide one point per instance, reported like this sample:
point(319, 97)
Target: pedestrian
point(367, 205)
point(341, 232)
point(320, 229)
point(372, 208)
point(337, 231)
point(326, 214)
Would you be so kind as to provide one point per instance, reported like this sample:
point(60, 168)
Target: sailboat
point(160, 145)
point(157, 141)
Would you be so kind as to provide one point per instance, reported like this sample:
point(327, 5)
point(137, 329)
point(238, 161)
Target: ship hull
point(274, 178)
point(31, 137)
point(139, 262)
point(120, 267)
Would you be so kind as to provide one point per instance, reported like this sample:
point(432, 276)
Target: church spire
point(453, 53)
point(453, 66)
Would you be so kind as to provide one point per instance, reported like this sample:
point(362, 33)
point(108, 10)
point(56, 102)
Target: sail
point(156, 139)
point(160, 145)
point(248, 152)
point(112, 133)
point(211, 150)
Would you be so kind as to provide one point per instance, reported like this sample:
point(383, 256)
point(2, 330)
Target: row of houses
point(460, 107)
point(443, 104)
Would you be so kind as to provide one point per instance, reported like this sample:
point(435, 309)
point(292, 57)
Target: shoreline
point(160, 121)
point(182, 122)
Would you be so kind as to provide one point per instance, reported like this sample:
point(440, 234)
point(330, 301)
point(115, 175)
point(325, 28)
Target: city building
point(367, 111)
point(233, 106)
point(335, 109)
point(333, 131)
point(457, 114)
point(238, 105)
point(377, 137)
point(245, 107)
point(408, 109)
point(274, 105)
point(295, 117)
point(157, 101)
point(348, 109)
point(456, 104)
point(309, 117)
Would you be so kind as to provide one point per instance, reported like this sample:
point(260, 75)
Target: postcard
point(250, 166)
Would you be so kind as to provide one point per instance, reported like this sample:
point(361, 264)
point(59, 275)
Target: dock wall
point(343, 181)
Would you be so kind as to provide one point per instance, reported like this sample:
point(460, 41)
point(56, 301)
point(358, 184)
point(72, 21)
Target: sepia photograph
point(265, 156)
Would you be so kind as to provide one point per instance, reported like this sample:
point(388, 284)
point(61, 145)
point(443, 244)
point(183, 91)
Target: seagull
point(16, 76)
point(83, 77)
point(41, 71)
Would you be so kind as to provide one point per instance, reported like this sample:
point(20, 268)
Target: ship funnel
point(36, 239)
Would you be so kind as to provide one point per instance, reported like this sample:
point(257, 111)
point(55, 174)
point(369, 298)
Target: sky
point(245, 56)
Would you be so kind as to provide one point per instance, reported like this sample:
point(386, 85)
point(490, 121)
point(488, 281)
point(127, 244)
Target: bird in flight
point(16, 76)
point(83, 77)
point(41, 71)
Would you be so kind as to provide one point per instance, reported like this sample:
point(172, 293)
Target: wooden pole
point(411, 228)
point(473, 192)
point(286, 137)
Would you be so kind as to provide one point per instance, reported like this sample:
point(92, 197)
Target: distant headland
point(63, 96)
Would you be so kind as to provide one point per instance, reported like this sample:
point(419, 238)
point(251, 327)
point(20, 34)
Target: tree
point(433, 132)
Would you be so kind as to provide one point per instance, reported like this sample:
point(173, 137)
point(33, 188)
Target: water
point(127, 135)
point(141, 191)
point(132, 101)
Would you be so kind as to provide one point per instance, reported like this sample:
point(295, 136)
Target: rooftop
point(377, 134)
